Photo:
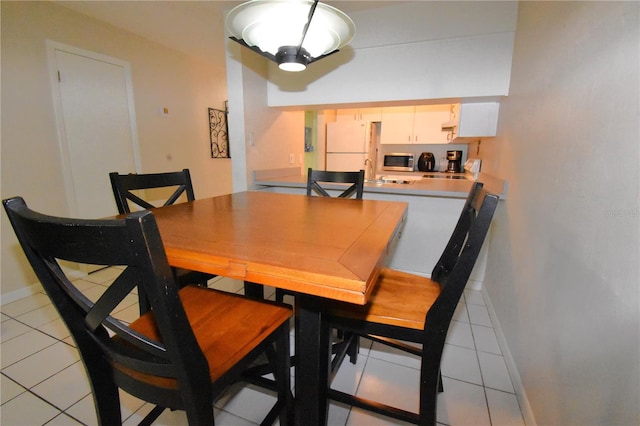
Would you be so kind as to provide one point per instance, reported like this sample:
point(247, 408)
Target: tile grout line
point(475, 347)
point(514, 376)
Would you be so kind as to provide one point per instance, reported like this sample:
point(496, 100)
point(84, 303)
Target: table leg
point(312, 344)
point(253, 290)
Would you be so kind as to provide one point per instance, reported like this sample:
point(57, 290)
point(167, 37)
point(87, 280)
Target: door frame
point(51, 47)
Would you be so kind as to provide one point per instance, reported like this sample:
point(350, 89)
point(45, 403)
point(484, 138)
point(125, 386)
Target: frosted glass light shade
point(276, 26)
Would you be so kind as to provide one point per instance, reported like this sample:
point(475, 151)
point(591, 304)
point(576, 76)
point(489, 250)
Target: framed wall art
point(219, 133)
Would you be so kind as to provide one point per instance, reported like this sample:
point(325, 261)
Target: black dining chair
point(178, 183)
point(184, 352)
point(409, 308)
point(316, 178)
point(167, 188)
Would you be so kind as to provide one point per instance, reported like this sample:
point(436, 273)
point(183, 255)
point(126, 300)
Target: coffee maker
point(455, 161)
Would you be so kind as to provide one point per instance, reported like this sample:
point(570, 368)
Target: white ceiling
point(193, 27)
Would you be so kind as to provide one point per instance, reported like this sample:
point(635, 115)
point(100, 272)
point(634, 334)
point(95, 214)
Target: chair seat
point(227, 327)
point(398, 299)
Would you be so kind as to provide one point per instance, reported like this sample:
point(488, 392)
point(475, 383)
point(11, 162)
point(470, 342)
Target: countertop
point(426, 187)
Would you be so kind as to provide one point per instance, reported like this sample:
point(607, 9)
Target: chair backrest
point(123, 184)
point(456, 263)
point(316, 177)
point(135, 244)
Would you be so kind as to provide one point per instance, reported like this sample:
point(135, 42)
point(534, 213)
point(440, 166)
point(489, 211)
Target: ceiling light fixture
point(291, 33)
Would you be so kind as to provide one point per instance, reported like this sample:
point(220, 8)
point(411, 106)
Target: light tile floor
point(43, 382)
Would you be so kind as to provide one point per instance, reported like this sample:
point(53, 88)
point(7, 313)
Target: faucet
point(371, 176)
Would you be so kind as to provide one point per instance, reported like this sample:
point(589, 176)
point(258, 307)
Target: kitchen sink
point(400, 181)
point(410, 179)
point(405, 180)
point(444, 175)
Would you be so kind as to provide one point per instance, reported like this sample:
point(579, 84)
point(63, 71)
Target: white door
point(96, 122)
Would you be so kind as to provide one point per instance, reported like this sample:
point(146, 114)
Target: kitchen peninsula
point(434, 208)
point(430, 187)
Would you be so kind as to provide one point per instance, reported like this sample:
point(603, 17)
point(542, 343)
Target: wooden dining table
point(314, 246)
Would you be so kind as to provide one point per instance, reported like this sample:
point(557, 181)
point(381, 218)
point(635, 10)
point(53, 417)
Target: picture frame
point(219, 133)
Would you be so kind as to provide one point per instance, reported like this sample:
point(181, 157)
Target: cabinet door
point(427, 124)
point(361, 114)
point(479, 119)
point(370, 114)
point(397, 125)
point(347, 114)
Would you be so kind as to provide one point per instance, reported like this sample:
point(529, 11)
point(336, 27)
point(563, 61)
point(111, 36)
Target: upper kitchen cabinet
point(415, 125)
point(425, 130)
point(473, 120)
point(359, 114)
point(397, 125)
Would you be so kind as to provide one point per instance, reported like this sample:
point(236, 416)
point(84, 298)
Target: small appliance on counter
point(398, 161)
point(470, 172)
point(455, 161)
point(426, 162)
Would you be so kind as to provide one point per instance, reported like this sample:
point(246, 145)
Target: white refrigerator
point(348, 145)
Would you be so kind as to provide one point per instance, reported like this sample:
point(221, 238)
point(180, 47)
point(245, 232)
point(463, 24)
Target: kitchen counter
point(425, 187)
point(434, 208)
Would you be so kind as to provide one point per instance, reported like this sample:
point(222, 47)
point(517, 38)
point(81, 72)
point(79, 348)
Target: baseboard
point(521, 394)
point(20, 293)
point(474, 285)
point(32, 289)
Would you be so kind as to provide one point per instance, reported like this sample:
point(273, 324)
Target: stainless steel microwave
point(398, 161)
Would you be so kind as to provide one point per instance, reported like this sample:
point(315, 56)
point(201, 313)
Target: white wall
point(410, 51)
point(261, 137)
point(161, 77)
point(563, 262)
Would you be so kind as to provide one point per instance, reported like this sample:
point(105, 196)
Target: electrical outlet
point(292, 158)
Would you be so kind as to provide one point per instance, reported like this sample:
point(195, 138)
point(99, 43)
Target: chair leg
point(152, 416)
point(282, 372)
point(198, 405)
point(104, 389)
point(430, 383)
point(354, 347)
point(107, 404)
